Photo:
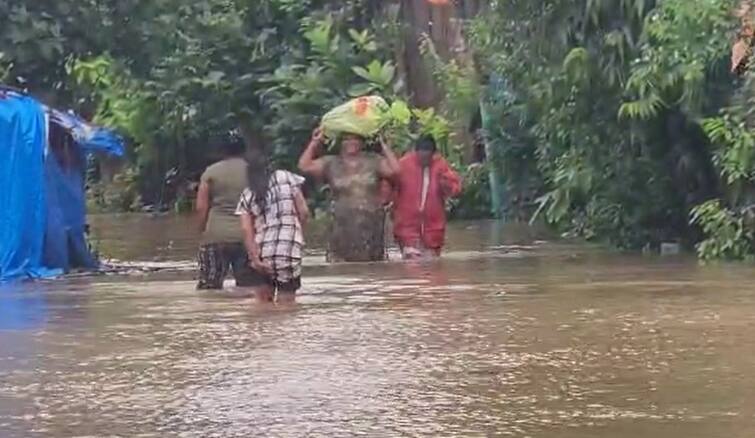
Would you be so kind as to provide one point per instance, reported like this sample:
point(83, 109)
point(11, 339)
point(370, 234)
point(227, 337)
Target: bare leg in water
point(264, 294)
point(286, 293)
point(419, 252)
point(285, 297)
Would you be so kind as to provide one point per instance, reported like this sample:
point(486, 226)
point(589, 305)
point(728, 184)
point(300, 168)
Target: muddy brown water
point(505, 336)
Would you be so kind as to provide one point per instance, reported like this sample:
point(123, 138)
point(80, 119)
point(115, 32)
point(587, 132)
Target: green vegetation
point(613, 120)
point(623, 106)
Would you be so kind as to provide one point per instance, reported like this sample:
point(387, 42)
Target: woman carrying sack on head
point(356, 178)
point(358, 228)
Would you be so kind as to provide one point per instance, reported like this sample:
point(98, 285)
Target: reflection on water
point(497, 339)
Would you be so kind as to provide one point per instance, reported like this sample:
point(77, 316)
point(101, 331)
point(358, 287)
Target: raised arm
point(203, 205)
point(308, 162)
point(389, 165)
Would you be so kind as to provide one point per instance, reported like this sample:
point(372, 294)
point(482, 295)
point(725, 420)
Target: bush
point(122, 194)
point(729, 236)
point(474, 201)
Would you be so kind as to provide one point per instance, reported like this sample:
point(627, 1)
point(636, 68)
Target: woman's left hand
point(261, 266)
point(318, 137)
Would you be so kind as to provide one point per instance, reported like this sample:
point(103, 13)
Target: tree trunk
point(252, 134)
point(444, 25)
point(416, 16)
point(470, 8)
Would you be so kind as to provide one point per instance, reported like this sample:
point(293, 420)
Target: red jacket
point(410, 225)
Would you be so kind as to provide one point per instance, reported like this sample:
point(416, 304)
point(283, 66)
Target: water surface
point(505, 336)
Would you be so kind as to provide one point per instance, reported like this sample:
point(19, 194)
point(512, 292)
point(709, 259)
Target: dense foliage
point(612, 98)
point(617, 120)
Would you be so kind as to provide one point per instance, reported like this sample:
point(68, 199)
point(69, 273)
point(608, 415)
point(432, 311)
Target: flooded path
point(502, 337)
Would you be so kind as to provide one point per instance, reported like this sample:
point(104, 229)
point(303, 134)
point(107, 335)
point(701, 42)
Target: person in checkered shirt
point(273, 214)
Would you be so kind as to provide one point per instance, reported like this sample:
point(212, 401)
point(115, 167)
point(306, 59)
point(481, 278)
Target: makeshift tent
point(42, 171)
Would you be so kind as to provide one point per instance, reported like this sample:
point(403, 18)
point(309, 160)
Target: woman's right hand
point(318, 137)
point(308, 162)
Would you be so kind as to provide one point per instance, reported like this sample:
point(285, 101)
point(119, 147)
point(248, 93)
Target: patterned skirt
point(357, 235)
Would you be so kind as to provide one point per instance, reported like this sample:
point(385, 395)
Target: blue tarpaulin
point(91, 138)
point(42, 204)
point(65, 244)
point(23, 197)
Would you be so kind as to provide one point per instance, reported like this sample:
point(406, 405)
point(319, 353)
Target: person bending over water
point(357, 231)
point(221, 245)
point(273, 215)
point(419, 216)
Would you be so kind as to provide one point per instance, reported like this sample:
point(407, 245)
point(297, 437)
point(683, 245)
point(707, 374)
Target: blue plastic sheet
point(42, 203)
point(65, 243)
point(23, 208)
point(91, 138)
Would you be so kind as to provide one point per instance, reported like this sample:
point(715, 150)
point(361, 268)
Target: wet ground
point(505, 336)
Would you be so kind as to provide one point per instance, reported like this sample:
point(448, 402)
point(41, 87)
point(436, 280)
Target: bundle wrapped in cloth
point(363, 116)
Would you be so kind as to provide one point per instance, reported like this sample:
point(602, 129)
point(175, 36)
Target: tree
point(609, 94)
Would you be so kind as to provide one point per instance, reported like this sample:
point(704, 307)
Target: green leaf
point(358, 90)
point(362, 73)
point(400, 112)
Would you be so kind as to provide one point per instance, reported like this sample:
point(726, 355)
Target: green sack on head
point(362, 116)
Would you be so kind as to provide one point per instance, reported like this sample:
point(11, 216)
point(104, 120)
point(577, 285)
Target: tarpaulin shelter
point(43, 156)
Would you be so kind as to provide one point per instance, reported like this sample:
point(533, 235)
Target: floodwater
point(505, 336)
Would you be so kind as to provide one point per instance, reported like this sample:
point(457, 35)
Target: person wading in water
point(273, 215)
point(419, 216)
point(357, 231)
point(221, 246)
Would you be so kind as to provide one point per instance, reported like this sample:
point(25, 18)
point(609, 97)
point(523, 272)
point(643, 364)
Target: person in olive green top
point(222, 246)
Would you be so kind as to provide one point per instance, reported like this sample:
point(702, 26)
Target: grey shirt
point(227, 180)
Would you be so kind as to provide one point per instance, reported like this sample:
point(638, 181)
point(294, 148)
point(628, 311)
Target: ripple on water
point(536, 341)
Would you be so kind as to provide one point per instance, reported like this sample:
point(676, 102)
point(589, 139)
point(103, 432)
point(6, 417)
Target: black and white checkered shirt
point(278, 231)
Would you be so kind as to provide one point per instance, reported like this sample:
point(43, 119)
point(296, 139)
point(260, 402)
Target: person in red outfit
point(424, 183)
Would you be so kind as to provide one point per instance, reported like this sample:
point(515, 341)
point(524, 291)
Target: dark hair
point(233, 144)
point(258, 175)
point(426, 143)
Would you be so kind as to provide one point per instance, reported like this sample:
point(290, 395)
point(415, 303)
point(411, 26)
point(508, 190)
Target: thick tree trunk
point(416, 16)
point(444, 25)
